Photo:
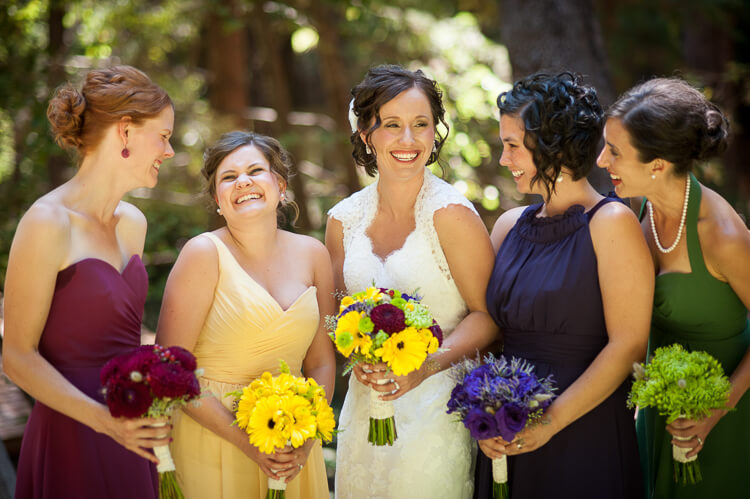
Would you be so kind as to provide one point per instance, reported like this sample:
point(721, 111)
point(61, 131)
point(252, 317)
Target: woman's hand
point(530, 439)
point(284, 464)
point(494, 448)
point(381, 379)
point(694, 431)
point(138, 434)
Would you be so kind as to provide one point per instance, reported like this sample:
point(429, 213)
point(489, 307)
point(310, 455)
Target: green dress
point(701, 313)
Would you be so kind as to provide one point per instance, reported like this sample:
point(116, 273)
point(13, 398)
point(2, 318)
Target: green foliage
point(678, 383)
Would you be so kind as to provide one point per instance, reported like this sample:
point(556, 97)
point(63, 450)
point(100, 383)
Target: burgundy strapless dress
point(95, 315)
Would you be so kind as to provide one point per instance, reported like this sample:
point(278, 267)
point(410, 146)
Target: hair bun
point(715, 139)
point(65, 114)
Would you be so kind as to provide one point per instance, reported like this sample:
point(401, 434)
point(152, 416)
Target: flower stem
point(500, 490)
point(168, 487)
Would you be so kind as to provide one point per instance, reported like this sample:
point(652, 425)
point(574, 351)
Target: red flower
point(388, 317)
point(437, 332)
point(183, 356)
point(128, 399)
point(170, 379)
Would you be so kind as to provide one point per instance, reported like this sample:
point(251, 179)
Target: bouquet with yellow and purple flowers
point(280, 411)
point(384, 325)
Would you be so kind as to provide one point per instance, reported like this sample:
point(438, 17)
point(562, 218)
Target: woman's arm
point(40, 247)
point(320, 360)
point(626, 280)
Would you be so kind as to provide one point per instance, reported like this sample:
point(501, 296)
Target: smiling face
point(149, 145)
point(516, 156)
point(404, 141)
point(629, 175)
point(245, 183)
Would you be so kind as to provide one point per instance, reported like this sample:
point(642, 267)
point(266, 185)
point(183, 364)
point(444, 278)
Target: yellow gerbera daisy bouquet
point(388, 326)
point(280, 411)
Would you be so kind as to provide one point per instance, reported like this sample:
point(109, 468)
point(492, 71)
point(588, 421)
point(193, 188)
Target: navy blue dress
point(544, 294)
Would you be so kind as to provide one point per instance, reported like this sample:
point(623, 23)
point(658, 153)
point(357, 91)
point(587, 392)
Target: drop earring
point(218, 210)
point(367, 149)
point(434, 147)
point(653, 176)
point(283, 197)
point(559, 178)
point(125, 152)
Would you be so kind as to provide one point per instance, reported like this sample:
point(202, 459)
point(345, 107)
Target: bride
point(410, 231)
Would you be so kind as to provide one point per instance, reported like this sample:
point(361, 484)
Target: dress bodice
point(419, 264)
point(246, 331)
point(544, 290)
point(95, 313)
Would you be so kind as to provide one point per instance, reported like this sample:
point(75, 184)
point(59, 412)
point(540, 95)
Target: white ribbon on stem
point(500, 469)
point(163, 455)
point(380, 409)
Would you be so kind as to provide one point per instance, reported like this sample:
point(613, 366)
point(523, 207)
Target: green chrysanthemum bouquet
point(681, 384)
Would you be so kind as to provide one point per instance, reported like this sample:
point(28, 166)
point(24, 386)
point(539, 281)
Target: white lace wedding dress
point(433, 456)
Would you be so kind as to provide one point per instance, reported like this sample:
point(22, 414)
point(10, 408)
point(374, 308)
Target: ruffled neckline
point(553, 228)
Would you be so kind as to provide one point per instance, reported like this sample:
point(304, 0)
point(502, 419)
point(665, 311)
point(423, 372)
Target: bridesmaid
point(655, 134)
point(241, 298)
point(571, 290)
point(76, 288)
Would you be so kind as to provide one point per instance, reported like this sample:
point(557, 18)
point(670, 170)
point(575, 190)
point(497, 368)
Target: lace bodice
point(419, 264)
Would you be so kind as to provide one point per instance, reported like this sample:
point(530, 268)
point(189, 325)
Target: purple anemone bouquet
point(494, 398)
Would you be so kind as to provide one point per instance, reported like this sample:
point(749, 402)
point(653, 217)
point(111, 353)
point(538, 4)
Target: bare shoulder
point(723, 235)
point(131, 227)
point(456, 219)
point(503, 224)
point(302, 245)
point(129, 214)
point(46, 223)
point(614, 220)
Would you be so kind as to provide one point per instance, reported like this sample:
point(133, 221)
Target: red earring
point(125, 153)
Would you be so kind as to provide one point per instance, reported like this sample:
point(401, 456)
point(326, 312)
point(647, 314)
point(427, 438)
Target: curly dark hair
point(278, 159)
point(669, 119)
point(563, 123)
point(380, 85)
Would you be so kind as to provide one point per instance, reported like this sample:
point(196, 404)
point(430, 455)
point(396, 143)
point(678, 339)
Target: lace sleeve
point(355, 211)
point(437, 194)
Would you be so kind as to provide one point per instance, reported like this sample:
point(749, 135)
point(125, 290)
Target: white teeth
point(404, 157)
point(156, 164)
point(516, 173)
point(252, 195)
point(614, 177)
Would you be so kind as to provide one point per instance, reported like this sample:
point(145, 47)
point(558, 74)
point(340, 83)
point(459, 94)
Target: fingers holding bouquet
point(530, 439)
point(494, 448)
point(138, 435)
point(692, 433)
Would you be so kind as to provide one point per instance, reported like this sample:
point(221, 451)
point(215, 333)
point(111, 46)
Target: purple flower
point(183, 356)
point(170, 379)
point(481, 424)
point(510, 419)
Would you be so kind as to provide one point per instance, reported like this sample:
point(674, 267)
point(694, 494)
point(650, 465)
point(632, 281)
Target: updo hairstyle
point(79, 119)
point(278, 159)
point(380, 85)
point(563, 124)
point(667, 118)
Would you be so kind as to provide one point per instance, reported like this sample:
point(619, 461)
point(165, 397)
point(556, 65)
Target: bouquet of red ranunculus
point(388, 326)
point(499, 398)
point(152, 381)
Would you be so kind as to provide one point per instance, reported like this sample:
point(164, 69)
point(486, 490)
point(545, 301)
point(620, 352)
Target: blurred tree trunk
point(336, 85)
point(708, 51)
point(554, 36)
point(227, 61)
point(277, 88)
point(56, 49)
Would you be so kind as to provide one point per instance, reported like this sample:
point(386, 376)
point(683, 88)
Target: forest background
point(285, 68)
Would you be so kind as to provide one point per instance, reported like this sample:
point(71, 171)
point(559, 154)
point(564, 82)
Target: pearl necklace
point(682, 221)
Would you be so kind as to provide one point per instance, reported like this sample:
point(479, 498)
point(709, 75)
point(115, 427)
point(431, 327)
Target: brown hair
point(80, 118)
point(380, 85)
point(278, 159)
point(667, 118)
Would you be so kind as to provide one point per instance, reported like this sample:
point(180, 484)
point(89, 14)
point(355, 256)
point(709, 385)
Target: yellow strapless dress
point(245, 334)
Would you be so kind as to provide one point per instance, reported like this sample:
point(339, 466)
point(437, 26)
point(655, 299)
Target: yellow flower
point(266, 425)
point(345, 302)
point(347, 330)
point(431, 343)
point(301, 426)
point(373, 294)
point(404, 352)
point(245, 407)
point(324, 419)
point(363, 343)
